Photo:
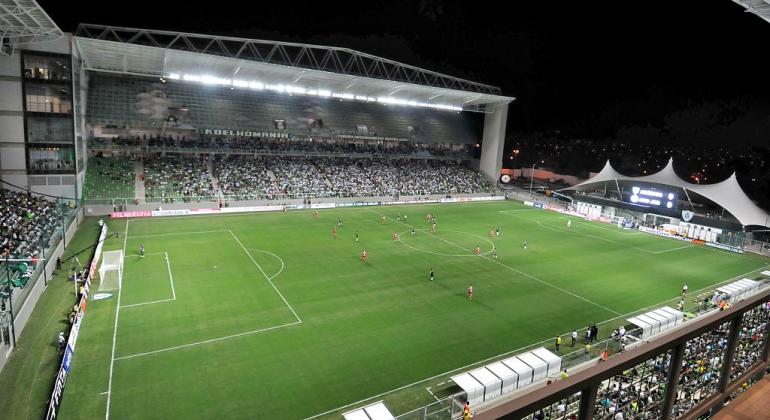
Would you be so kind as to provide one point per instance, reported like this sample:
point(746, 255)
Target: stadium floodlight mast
point(531, 179)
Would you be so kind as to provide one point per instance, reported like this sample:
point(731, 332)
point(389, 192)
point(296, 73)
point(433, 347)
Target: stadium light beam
point(299, 90)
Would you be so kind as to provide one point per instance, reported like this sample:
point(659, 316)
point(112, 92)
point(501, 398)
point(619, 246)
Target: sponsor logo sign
point(101, 296)
point(725, 247)
point(244, 133)
point(124, 214)
point(250, 209)
point(322, 206)
point(687, 215)
point(65, 364)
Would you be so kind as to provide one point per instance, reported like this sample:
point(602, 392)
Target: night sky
point(583, 68)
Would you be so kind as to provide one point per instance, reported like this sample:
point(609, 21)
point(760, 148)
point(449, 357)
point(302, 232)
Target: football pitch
point(269, 316)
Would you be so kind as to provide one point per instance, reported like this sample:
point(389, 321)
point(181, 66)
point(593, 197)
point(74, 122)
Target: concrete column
point(732, 344)
point(766, 351)
point(493, 142)
point(588, 402)
point(672, 383)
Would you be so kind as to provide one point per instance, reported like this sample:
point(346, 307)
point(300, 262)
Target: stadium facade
point(59, 90)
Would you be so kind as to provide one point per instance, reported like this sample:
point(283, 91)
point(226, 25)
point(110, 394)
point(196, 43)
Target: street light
point(531, 179)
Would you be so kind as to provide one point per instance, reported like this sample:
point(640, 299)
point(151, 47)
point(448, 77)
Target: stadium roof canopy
point(760, 8)
point(728, 194)
point(24, 22)
point(282, 66)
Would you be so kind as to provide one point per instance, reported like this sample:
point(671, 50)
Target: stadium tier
point(109, 178)
point(147, 103)
point(242, 177)
point(177, 178)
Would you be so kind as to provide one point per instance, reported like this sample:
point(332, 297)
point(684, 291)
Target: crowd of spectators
point(26, 221)
point(750, 340)
point(636, 393)
point(701, 369)
point(292, 146)
point(175, 178)
point(281, 177)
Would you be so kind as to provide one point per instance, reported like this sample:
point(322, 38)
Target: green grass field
point(266, 315)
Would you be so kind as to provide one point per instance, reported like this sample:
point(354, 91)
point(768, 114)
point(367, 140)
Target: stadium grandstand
point(313, 232)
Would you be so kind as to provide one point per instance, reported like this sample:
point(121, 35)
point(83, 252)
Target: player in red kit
point(363, 256)
point(478, 250)
point(334, 232)
point(470, 292)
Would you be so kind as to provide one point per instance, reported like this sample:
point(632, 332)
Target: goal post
point(111, 270)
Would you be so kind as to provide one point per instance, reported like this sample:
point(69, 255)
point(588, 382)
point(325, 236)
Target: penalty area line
point(268, 278)
point(213, 340)
point(179, 233)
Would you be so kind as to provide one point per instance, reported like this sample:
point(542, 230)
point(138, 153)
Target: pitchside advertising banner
point(69, 352)
point(254, 209)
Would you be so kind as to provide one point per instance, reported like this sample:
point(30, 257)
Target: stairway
point(214, 181)
point(138, 181)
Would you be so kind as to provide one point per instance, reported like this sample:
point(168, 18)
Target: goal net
point(111, 270)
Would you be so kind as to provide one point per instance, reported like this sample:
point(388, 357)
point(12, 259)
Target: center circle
point(438, 239)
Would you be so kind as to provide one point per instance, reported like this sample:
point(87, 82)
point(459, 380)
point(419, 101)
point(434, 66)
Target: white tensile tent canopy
point(728, 194)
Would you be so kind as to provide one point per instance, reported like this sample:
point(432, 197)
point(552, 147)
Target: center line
point(513, 269)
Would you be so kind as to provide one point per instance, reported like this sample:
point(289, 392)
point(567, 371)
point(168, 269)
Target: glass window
point(44, 98)
point(49, 130)
point(46, 68)
point(54, 159)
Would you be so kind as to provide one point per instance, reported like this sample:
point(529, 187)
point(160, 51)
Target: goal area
point(110, 271)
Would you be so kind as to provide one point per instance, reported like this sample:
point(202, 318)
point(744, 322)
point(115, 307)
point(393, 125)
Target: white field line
point(522, 273)
point(599, 225)
point(213, 340)
point(672, 249)
point(266, 276)
point(115, 329)
point(606, 226)
point(170, 279)
point(551, 285)
point(470, 254)
point(147, 303)
point(149, 253)
point(277, 257)
point(227, 337)
point(179, 233)
point(432, 394)
point(588, 235)
point(531, 345)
